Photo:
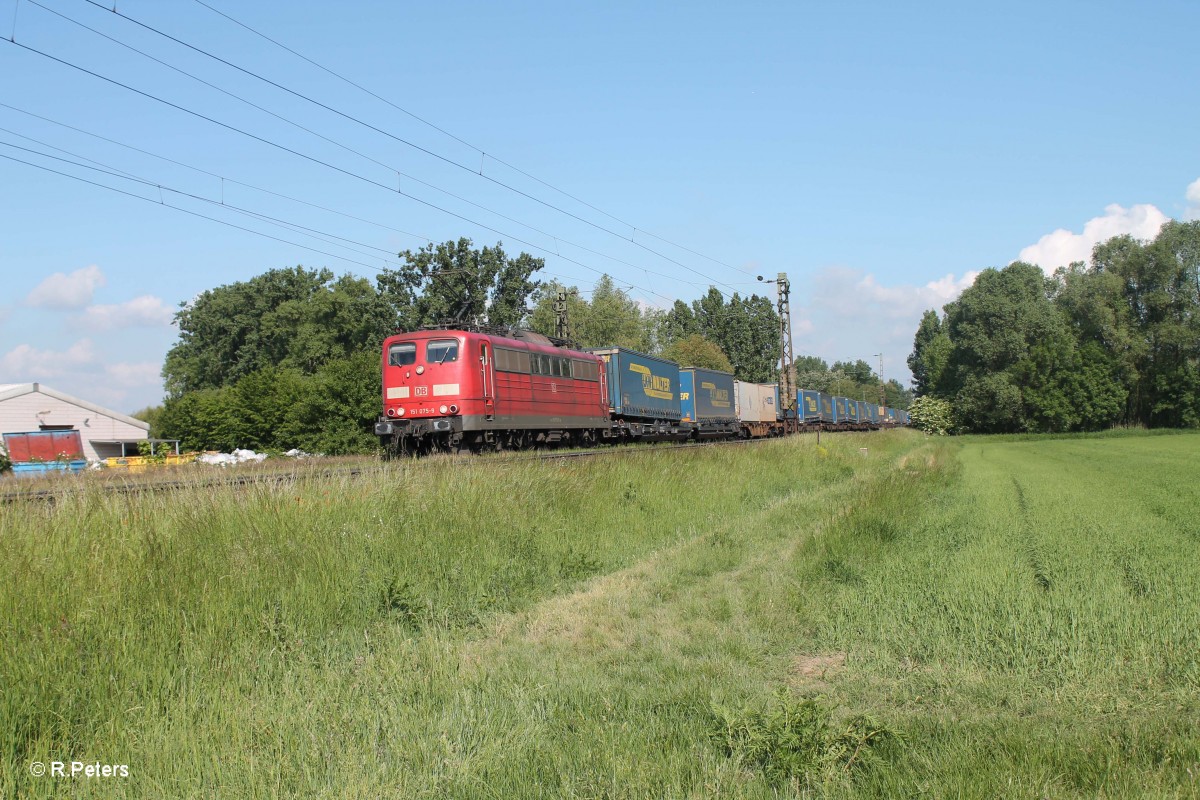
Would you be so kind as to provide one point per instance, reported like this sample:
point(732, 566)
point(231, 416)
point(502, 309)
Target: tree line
point(290, 358)
point(1112, 342)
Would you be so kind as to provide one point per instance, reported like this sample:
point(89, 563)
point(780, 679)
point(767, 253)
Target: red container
point(43, 446)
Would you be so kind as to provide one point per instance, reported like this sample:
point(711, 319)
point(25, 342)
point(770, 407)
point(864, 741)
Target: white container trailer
point(758, 409)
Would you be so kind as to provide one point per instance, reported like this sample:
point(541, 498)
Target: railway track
point(53, 494)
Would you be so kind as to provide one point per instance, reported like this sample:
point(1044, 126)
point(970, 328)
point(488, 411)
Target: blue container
point(31, 469)
point(841, 410)
point(827, 408)
point(810, 405)
point(706, 396)
point(641, 386)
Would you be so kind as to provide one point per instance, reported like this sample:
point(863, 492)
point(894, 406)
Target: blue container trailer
point(851, 411)
point(826, 408)
point(810, 405)
point(841, 410)
point(641, 386)
point(706, 399)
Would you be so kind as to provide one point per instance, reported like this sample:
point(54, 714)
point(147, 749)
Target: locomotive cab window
point(439, 351)
point(402, 354)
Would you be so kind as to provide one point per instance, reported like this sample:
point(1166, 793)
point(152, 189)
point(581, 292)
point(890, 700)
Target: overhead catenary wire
point(280, 117)
point(321, 162)
point(106, 167)
point(164, 204)
point(223, 178)
point(402, 140)
point(462, 141)
point(117, 173)
point(347, 172)
point(184, 210)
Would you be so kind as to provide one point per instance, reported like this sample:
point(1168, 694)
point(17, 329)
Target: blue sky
point(878, 154)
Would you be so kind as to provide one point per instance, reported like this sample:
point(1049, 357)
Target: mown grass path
point(968, 618)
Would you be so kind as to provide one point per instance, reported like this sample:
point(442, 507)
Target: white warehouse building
point(105, 433)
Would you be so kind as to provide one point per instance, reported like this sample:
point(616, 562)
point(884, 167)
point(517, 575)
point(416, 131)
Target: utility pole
point(787, 366)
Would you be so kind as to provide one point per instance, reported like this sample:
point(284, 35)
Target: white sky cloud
point(1060, 248)
point(146, 311)
point(851, 314)
point(26, 363)
point(82, 371)
point(1193, 201)
point(67, 291)
point(148, 373)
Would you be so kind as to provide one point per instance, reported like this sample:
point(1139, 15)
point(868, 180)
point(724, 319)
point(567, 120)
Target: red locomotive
point(453, 390)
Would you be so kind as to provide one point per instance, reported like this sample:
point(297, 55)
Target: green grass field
point(947, 618)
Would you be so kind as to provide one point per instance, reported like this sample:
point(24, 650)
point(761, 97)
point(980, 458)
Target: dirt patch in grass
point(812, 671)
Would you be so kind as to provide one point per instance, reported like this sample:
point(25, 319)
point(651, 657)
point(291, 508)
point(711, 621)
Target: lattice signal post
point(787, 362)
point(562, 323)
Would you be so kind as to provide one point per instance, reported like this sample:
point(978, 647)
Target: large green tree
point(285, 318)
point(609, 318)
point(1116, 340)
point(330, 411)
point(454, 283)
point(1012, 353)
point(931, 353)
point(696, 351)
point(746, 330)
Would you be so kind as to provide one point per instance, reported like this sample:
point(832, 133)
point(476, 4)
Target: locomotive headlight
point(442, 409)
point(400, 411)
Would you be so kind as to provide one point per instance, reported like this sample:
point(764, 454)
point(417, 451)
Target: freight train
point(460, 390)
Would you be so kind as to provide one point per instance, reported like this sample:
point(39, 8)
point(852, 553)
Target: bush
point(932, 415)
point(793, 739)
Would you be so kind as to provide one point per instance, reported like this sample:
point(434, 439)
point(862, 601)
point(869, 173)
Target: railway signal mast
point(882, 394)
point(787, 365)
point(562, 323)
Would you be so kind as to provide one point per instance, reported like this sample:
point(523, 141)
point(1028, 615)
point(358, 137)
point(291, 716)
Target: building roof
point(11, 390)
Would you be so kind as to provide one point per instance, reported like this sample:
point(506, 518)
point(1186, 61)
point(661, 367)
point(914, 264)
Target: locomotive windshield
point(439, 351)
point(402, 354)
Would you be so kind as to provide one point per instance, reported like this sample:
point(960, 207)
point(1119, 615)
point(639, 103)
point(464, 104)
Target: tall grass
point(954, 618)
point(1035, 625)
point(238, 638)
